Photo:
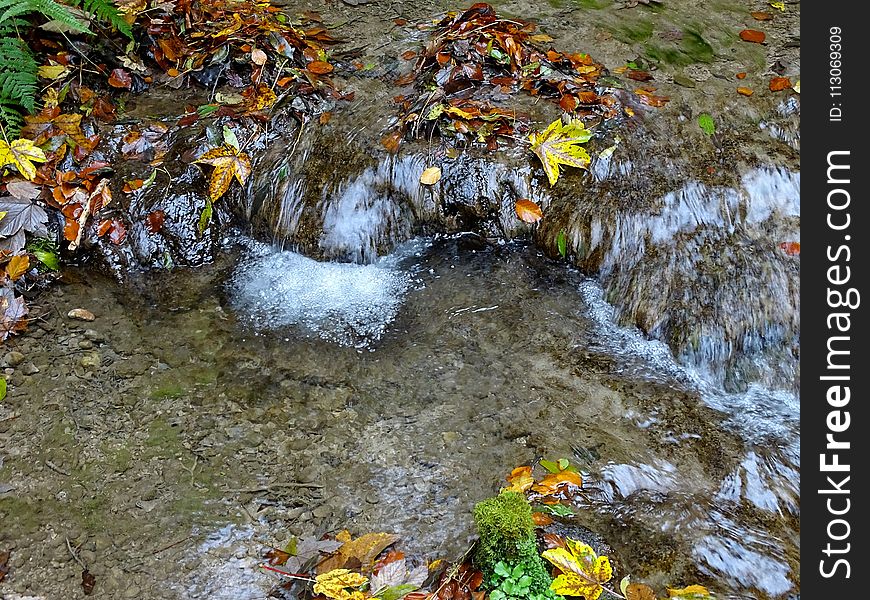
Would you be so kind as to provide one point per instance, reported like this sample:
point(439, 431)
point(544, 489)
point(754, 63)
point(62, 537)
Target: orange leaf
point(650, 99)
point(363, 549)
point(744, 91)
point(568, 102)
point(409, 55)
point(70, 230)
point(325, 118)
point(520, 480)
point(752, 35)
point(132, 185)
point(761, 16)
point(541, 520)
point(119, 78)
point(779, 83)
point(791, 248)
point(154, 221)
point(17, 266)
point(639, 591)
point(528, 211)
point(741, 76)
point(391, 141)
point(104, 227)
point(319, 67)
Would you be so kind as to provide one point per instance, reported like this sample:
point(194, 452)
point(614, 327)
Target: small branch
point(74, 555)
point(272, 486)
point(289, 575)
point(56, 468)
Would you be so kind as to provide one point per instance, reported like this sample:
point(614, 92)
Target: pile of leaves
point(369, 568)
point(474, 59)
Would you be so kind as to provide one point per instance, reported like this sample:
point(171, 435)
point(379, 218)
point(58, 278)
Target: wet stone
point(29, 369)
point(91, 360)
point(94, 335)
point(14, 358)
point(86, 344)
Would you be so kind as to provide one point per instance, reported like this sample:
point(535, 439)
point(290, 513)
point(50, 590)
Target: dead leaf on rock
point(364, 550)
point(431, 176)
point(528, 212)
point(777, 84)
point(752, 35)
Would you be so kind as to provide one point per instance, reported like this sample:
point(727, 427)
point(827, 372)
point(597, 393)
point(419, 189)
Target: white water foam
point(349, 304)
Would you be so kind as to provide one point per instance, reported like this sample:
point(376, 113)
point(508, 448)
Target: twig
point(286, 574)
point(74, 555)
point(56, 469)
point(172, 545)
point(273, 486)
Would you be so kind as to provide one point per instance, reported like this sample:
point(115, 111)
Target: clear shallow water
point(481, 358)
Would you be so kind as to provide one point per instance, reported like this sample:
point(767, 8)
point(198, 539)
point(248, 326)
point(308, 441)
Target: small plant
point(510, 582)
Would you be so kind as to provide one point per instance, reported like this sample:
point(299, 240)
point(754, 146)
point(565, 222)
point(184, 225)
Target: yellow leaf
point(797, 86)
point(520, 480)
point(583, 571)
point(17, 266)
point(334, 584)
point(431, 176)
point(364, 549)
point(52, 71)
point(560, 145)
point(21, 154)
point(228, 163)
point(778, 5)
point(693, 592)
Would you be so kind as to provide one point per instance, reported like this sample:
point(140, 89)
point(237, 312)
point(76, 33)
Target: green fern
point(54, 11)
point(105, 12)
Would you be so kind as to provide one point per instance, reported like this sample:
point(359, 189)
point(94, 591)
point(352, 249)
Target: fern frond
point(11, 119)
point(18, 69)
point(105, 12)
point(50, 9)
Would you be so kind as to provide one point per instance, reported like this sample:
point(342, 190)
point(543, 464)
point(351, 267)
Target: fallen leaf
point(752, 35)
point(395, 580)
point(21, 154)
point(13, 313)
point(797, 86)
point(22, 215)
point(638, 75)
point(583, 571)
point(528, 212)
point(409, 55)
point(52, 71)
point(154, 221)
point(558, 145)
point(117, 232)
point(791, 248)
point(319, 67)
point(541, 519)
point(335, 583)
point(744, 91)
point(706, 123)
point(692, 592)
point(778, 84)
point(228, 162)
point(17, 266)
point(650, 99)
point(258, 57)
point(4, 555)
point(761, 15)
point(741, 76)
point(88, 582)
point(325, 118)
point(392, 141)
point(364, 549)
point(779, 5)
point(639, 591)
point(120, 78)
point(520, 478)
point(431, 176)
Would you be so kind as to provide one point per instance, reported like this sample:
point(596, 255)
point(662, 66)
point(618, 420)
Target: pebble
point(321, 512)
point(14, 358)
point(94, 335)
point(30, 369)
point(132, 592)
point(86, 344)
point(308, 475)
point(81, 314)
point(91, 360)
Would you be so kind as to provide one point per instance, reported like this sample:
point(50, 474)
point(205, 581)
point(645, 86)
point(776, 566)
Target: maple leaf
point(334, 584)
point(21, 154)
point(559, 144)
point(583, 571)
point(228, 162)
point(362, 550)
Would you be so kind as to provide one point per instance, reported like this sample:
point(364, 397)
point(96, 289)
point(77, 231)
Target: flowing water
point(398, 349)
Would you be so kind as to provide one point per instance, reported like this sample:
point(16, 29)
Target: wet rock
point(29, 369)
point(94, 336)
point(14, 358)
point(81, 314)
point(86, 344)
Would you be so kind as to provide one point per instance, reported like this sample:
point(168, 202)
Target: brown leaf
point(13, 314)
point(88, 582)
point(639, 591)
point(325, 118)
point(118, 232)
point(154, 221)
point(400, 22)
point(638, 75)
point(541, 519)
point(120, 78)
point(778, 84)
point(551, 540)
point(744, 91)
point(409, 55)
point(277, 557)
point(741, 76)
point(319, 67)
point(228, 163)
point(4, 564)
point(568, 102)
point(650, 99)
point(17, 266)
point(363, 550)
point(104, 227)
point(132, 185)
point(528, 211)
point(761, 16)
point(752, 35)
point(391, 141)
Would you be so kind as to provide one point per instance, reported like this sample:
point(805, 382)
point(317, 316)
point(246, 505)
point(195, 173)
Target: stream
point(351, 350)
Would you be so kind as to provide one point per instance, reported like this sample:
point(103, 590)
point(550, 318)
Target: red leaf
point(751, 35)
point(120, 78)
point(154, 221)
point(104, 227)
point(118, 232)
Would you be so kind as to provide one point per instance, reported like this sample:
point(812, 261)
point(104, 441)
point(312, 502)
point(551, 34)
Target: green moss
point(638, 31)
point(696, 47)
point(168, 390)
point(594, 4)
point(507, 533)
